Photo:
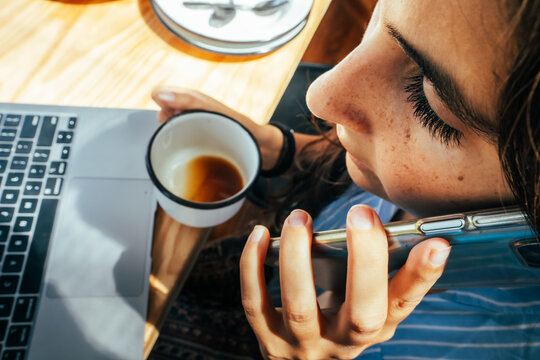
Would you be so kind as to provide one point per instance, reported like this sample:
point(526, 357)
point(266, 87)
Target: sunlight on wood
point(156, 284)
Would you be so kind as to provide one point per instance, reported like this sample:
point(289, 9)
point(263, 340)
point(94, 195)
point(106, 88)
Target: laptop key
point(6, 304)
point(4, 231)
point(8, 284)
point(65, 152)
point(64, 137)
point(18, 335)
point(57, 168)
point(48, 129)
point(37, 171)
point(9, 196)
point(14, 179)
point(30, 126)
point(8, 134)
point(19, 163)
point(12, 120)
point(12, 263)
point(18, 243)
point(24, 309)
point(28, 206)
point(23, 224)
point(41, 155)
point(3, 164)
point(5, 150)
point(13, 354)
point(3, 329)
point(33, 271)
point(23, 147)
point(6, 214)
point(33, 188)
point(72, 123)
point(53, 186)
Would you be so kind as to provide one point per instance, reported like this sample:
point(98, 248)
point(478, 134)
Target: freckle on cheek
point(461, 177)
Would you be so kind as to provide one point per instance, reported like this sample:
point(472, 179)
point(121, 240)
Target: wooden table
point(111, 53)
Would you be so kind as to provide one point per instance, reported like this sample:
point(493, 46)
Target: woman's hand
point(175, 100)
point(373, 306)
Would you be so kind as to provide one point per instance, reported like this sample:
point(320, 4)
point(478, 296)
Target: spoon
point(268, 7)
point(262, 8)
point(222, 15)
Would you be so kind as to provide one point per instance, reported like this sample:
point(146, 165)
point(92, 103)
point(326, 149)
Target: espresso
point(209, 178)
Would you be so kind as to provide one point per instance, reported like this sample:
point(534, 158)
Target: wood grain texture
point(174, 252)
point(111, 53)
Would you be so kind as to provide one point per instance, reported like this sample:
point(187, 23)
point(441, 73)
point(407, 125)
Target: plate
point(228, 48)
point(245, 26)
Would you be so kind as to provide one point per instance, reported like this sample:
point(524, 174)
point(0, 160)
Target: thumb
point(411, 283)
point(173, 97)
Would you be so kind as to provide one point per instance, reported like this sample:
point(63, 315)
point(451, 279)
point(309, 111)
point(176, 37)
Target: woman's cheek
point(421, 186)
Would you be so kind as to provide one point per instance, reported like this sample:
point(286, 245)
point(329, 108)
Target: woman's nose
point(341, 96)
point(359, 89)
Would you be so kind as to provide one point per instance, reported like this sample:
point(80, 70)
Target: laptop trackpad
point(101, 244)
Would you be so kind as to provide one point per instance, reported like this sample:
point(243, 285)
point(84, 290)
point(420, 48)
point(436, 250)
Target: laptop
point(76, 225)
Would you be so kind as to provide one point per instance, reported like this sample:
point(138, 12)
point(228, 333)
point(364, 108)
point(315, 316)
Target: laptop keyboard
point(34, 155)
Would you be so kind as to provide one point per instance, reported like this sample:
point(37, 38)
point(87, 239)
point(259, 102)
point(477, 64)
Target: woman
point(438, 110)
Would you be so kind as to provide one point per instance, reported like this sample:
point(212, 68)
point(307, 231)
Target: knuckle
point(365, 328)
point(251, 309)
point(299, 317)
point(404, 305)
point(423, 277)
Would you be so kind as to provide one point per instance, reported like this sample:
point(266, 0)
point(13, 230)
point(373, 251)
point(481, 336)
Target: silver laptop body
point(95, 198)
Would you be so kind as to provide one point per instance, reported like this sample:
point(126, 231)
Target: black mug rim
point(193, 204)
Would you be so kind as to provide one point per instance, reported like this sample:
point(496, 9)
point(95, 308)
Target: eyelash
point(425, 114)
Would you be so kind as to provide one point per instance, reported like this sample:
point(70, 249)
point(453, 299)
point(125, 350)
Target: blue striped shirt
point(487, 323)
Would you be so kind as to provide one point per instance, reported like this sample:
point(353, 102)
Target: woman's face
point(406, 98)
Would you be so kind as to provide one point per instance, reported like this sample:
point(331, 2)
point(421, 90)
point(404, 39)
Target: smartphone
point(490, 248)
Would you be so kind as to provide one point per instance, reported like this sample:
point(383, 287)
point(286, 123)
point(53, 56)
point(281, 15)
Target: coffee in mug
point(207, 178)
point(202, 165)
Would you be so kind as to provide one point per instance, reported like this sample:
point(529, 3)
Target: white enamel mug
point(200, 133)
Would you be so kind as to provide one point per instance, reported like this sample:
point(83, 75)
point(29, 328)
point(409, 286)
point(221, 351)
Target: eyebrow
point(445, 87)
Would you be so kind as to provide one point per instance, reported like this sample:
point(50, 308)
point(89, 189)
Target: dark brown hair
point(519, 109)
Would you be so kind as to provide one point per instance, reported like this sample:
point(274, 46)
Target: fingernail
point(437, 257)
point(257, 233)
point(361, 217)
point(166, 96)
point(298, 218)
